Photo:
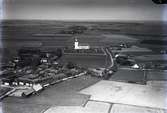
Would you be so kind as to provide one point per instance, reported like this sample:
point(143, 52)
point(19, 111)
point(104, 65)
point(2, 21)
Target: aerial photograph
point(83, 56)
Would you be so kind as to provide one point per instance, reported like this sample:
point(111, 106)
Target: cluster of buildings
point(28, 77)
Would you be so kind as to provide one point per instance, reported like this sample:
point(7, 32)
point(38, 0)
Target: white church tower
point(76, 44)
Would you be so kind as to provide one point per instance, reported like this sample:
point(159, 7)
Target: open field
point(86, 61)
point(62, 94)
point(51, 35)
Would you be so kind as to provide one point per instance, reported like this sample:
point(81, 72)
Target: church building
point(80, 46)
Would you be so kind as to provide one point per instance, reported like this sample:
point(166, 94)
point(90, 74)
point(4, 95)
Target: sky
point(85, 10)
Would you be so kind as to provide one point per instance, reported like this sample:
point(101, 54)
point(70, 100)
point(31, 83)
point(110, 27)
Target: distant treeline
point(154, 42)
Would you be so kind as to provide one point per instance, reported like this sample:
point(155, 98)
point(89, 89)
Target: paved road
point(110, 58)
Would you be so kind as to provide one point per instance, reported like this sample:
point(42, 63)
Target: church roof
point(83, 44)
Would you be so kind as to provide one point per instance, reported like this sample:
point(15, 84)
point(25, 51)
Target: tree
point(59, 52)
point(70, 65)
